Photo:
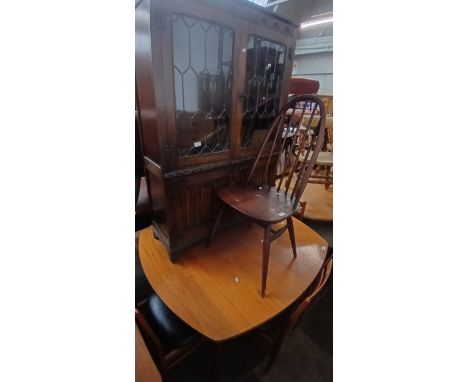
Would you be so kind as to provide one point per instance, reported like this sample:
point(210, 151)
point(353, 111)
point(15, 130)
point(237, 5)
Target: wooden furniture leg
point(215, 227)
point(272, 358)
point(216, 362)
point(291, 235)
point(266, 256)
point(327, 177)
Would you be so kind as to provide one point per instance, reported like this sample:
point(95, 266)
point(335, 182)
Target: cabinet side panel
point(144, 82)
point(158, 202)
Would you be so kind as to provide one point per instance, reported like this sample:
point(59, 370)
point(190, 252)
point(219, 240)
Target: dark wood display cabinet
point(211, 76)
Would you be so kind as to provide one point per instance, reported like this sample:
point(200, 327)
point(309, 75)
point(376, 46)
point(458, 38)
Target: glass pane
point(202, 54)
point(263, 83)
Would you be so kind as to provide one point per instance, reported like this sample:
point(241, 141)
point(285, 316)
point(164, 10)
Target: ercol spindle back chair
point(269, 196)
point(271, 335)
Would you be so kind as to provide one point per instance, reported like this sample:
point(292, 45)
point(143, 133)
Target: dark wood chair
point(271, 335)
point(167, 337)
point(269, 195)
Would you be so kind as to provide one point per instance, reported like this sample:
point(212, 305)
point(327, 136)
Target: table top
point(216, 290)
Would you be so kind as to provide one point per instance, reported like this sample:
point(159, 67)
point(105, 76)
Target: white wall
point(314, 60)
point(316, 66)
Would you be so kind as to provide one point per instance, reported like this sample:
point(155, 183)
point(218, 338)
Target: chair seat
point(325, 158)
point(172, 331)
point(263, 204)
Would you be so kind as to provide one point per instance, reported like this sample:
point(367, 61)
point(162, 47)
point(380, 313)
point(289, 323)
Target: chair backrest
point(321, 278)
point(152, 341)
point(145, 368)
point(282, 146)
point(316, 287)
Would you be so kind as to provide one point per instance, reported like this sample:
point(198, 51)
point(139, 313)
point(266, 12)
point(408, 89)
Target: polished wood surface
point(319, 202)
point(264, 204)
point(215, 290)
point(316, 203)
point(145, 369)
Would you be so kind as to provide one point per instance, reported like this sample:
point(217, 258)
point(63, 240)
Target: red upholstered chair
point(300, 86)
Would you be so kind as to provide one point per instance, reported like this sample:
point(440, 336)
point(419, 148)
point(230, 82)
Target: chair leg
point(271, 360)
point(216, 362)
point(327, 177)
point(215, 227)
point(291, 235)
point(266, 256)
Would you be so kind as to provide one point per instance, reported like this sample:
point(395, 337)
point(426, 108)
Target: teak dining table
point(216, 290)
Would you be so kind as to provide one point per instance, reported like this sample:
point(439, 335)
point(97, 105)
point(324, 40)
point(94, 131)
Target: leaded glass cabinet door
point(263, 88)
point(202, 66)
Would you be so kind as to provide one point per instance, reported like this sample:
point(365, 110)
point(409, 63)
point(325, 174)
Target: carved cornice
point(257, 15)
